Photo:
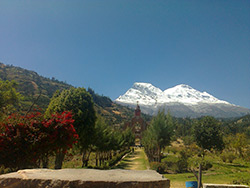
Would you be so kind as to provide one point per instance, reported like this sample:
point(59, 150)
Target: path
point(135, 161)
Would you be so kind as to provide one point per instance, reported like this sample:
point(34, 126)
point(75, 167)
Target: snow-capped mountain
point(182, 100)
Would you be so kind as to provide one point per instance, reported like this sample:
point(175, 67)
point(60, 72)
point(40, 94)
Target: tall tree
point(79, 102)
point(9, 98)
point(103, 136)
point(159, 132)
point(208, 137)
point(239, 143)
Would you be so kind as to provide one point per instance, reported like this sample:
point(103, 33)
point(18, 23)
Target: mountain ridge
point(182, 100)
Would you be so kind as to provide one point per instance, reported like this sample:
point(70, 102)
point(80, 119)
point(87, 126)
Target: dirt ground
point(136, 160)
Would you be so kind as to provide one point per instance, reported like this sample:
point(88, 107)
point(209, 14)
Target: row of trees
point(107, 141)
point(207, 134)
point(233, 135)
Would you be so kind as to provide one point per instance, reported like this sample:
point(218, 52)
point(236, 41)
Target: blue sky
point(108, 45)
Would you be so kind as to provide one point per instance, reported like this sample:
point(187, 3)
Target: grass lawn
point(221, 173)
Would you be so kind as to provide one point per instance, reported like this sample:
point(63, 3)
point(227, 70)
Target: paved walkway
point(134, 161)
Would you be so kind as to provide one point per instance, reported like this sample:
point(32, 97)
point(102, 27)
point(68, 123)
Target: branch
point(34, 102)
point(195, 174)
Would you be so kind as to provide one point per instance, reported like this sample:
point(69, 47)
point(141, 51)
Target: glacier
point(181, 100)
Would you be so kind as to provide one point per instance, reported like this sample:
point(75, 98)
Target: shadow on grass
point(126, 162)
point(228, 165)
point(122, 166)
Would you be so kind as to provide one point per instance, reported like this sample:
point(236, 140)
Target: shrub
point(247, 154)
point(159, 167)
point(188, 140)
point(4, 170)
point(182, 165)
point(206, 165)
point(24, 140)
point(173, 150)
point(177, 164)
point(228, 157)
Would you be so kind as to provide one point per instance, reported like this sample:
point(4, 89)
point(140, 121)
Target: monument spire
point(137, 110)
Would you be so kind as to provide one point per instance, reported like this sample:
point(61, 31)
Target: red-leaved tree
point(27, 140)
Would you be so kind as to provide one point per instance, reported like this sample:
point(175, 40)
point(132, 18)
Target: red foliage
point(25, 139)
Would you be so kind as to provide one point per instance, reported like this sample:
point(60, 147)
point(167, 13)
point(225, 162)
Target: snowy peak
point(147, 94)
point(181, 100)
point(184, 86)
point(147, 89)
point(144, 93)
point(186, 94)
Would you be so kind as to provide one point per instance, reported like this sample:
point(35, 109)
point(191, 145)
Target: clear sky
point(110, 44)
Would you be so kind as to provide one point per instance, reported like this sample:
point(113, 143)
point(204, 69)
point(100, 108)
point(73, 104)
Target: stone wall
point(223, 186)
point(83, 178)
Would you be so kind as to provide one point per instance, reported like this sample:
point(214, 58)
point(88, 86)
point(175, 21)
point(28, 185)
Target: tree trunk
point(85, 157)
point(45, 161)
point(96, 159)
point(159, 154)
point(200, 177)
point(100, 159)
point(110, 155)
point(59, 159)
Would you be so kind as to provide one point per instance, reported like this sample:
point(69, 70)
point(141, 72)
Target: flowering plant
point(24, 140)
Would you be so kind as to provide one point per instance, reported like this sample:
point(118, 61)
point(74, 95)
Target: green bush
point(206, 165)
point(228, 157)
point(247, 154)
point(177, 164)
point(159, 167)
point(188, 140)
point(4, 170)
point(173, 150)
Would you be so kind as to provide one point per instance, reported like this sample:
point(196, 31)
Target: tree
point(9, 98)
point(107, 141)
point(102, 141)
point(79, 102)
point(25, 140)
point(61, 136)
point(128, 138)
point(207, 136)
point(239, 143)
point(150, 144)
point(159, 133)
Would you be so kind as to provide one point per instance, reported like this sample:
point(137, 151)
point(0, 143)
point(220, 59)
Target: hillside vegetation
point(39, 90)
point(31, 85)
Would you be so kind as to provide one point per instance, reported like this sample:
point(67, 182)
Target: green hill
point(39, 89)
point(31, 86)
